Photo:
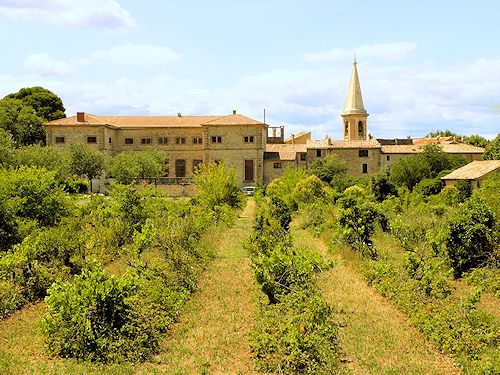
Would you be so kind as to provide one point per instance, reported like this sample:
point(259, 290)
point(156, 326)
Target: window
point(109, 140)
point(59, 139)
point(196, 163)
point(248, 139)
point(248, 170)
point(277, 165)
point(303, 156)
point(365, 168)
point(180, 168)
point(363, 153)
point(360, 127)
point(180, 140)
point(129, 141)
point(145, 141)
point(216, 139)
point(197, 140)
point(318, 153)
point(92, 139)
point(388, 158)
point(346, 127)
point(163, 141)
point(216, 161)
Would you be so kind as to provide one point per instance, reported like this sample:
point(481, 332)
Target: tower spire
point(354, 117)
point(354, 100)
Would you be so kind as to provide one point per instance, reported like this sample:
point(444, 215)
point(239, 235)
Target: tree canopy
point(492, 151)
point(130, 165)
point(23, 114)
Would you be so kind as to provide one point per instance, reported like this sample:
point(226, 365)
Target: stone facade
point(243, 143)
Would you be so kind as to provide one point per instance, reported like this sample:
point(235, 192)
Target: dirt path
point(210, 335)
point(376, 337)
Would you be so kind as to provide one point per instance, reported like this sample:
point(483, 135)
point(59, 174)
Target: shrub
point(296, 336)
point(464, 190)
point(470, 238)
point(330, 169)
point(308, 190)
point(429, 186)
point(381, 186)
point(93, 318)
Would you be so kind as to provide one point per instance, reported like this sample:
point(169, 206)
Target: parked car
point(248, 190)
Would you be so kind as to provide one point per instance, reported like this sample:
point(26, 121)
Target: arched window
point(346, 127)
point(360, 127)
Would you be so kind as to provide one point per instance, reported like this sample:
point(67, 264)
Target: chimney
point(274, 132)
point(80, 116)
point(234, 111)
point(293, 139)
point(179, 114)
point(282, 132)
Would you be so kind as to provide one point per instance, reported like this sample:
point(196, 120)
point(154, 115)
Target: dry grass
point(211, 333)
point(375, 336)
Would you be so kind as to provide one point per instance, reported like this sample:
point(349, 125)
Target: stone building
point(245, 143)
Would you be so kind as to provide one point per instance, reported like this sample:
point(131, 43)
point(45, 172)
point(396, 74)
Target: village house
point(245, 143)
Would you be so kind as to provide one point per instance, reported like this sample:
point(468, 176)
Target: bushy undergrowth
point(432, 237)
point(295, 333)
point(104, 318)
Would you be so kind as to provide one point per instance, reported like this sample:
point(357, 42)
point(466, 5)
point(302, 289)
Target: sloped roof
point(157, 121)
point(300, 137)
point(332, 144)
point(285, 151)
point(429, 140)
point(449, 148)
point(473, 170)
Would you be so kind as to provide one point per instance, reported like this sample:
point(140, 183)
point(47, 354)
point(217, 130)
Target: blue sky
point(424, 65)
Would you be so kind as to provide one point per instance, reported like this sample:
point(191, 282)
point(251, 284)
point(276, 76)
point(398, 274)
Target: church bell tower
point(354, 116)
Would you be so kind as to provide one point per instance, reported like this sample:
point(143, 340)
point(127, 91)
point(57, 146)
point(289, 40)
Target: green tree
point(128, 166)
point(439, 160)
point(477, 140)
point(330, 169)
point(441, 133)
point(52, 158)
point(33, 194)
point(85, 161)
point(7, 149)
point(410, 171)
point(217, 186)
point(470, 240)
point(45, 103)
point(382, 186)
point(21, 121)
point(492, 151)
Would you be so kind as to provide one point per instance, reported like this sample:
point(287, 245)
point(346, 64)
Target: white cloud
point(388, 52)
point(401, 100)
point(144, 55)
point(43, 65)
point(99, 14)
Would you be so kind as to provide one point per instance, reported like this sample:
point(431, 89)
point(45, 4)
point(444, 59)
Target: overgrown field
point(433, 254)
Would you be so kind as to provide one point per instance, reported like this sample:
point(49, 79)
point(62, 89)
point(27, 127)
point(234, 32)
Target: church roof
point(354, 100)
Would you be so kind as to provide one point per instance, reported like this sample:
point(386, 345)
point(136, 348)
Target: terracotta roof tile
point(157, 121)
point(473, 170)
point(450, 148)
point(332, 144)
point(286, 151)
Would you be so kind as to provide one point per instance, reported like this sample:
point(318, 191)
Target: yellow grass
point(375, 336)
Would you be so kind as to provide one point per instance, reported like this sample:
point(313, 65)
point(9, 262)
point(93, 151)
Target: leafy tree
point(85, 161)
point(477, 140)
point(52, 158)
point(7, 148)
point(439, 161)
point(46, 104)
point(330, 169)
point(440, 133)
point(429, 186)
point(492, 151)
point(309, 190)
point(21, 121)
point(470, 240)
point(410, 171)
point(464, 189)
point(489, 192)
point(284, 186)
point(130, 165)
point(33, 194)
point(382, 186)
point(217, 186)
